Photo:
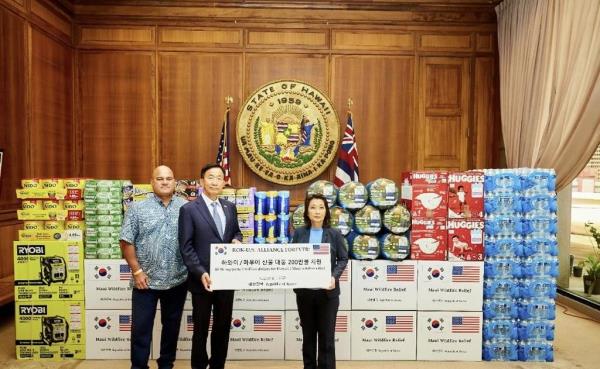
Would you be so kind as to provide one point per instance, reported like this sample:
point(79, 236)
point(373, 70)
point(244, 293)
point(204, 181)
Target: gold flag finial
point(228, 101)
point(350, 103)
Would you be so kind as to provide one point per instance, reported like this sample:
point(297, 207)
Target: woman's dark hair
point(326, 220)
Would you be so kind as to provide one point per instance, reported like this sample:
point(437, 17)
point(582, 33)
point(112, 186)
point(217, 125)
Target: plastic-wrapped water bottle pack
point(521, 264)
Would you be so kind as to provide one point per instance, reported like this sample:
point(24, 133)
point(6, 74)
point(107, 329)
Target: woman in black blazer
point(318, 308)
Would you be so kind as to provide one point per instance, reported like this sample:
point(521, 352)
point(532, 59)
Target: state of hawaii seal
point(288, 132)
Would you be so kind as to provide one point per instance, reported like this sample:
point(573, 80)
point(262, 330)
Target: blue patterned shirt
point(151, 227)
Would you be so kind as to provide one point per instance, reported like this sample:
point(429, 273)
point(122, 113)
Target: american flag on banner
point(465, 324)
point(466, 273)
point(223, 154)
point(398, 323)
point(341, 323)
point(124, 272)
point(320, 249)
point(267, 323)
point(189, 323)
point(347, 167)
point(400, 273)
point(124, 323)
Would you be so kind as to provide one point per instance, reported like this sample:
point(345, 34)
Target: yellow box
point(31, 183)
point(48, 269)
point(44, 235)
point(33, 225)
point(74, 224)
point(54, 225)
point(41, 193)
point(52, 329)
point(74, 183)
point(52, 184)
point(53, 204)
point(73, 204)
point(32, 205)
point(49, 214)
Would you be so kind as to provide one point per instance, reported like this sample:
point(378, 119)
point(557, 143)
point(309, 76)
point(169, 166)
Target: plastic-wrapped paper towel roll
point(397, 219)
point(383, 193)
point(324, 188)
point(394, 247)
point(353, 195)
point(363, 246)
point(367, 220)
point(341, 219)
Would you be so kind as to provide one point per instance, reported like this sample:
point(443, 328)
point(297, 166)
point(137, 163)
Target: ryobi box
point(46, 329)
point(48, 270)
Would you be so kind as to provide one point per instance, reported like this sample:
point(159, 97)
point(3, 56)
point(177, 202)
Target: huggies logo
point(470, 178)
point(457, 224)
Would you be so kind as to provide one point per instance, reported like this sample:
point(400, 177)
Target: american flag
point(344, 276)
point(466, 273)
point(320, 249)
point(347, 167)
point(267, 323)
point(124, 323)
point(400, 273)
point(341, 323)
point(223, 154)
point(465, 324)
point(398, 323)
point(124, 272)
point(189, 323)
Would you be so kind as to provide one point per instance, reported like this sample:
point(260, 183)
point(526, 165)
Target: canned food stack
point(272, 217)
point(520, 264)
point(104, 216)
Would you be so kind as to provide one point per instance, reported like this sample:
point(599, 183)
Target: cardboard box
point(266, 299)
point(465, 239)
point(384, 285)
point(449, 336)
point(50, 214)
point(429, 201)
point(48, 270)
point(107, 284)
point(49, 323)
point(256, 335)
point(293, 336)
point(428, 239)
point(465, 194)
point(384, 335)
point(345, 292)
point(108, 334)
point(43, 235)
point(51, 353)
point(42, 193)
point(450, 285)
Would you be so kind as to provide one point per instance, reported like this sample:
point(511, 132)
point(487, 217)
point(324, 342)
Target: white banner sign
point(252, 266)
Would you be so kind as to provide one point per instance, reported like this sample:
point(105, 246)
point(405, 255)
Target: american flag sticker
point(399, 323)
point(124, 272)
point(341, 323)
point(465, 324)
point(189, 323)
point(267, 323)
point(321, 249)
point(400, 273)
point(124, 323)
point(466, 273)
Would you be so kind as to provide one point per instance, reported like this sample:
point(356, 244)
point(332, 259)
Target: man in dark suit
point(205, 221)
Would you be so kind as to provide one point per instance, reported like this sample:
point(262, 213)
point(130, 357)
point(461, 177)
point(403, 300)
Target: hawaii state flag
point(223, 154)
point(347, 167)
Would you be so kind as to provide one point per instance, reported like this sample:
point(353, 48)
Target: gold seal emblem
point(288, 132)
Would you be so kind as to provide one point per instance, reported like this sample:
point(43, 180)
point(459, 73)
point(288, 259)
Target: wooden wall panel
point(372, 40)
point(118, 122)
point(446, 42)
point(8, 233)
point(117, 35)
point(444, 91)
point(382, 114)
point(13, 113)
point(297, 39)
point(193, 87)
point(168, 36)
point(261, 69)
point(51, 109)
point(53, 18)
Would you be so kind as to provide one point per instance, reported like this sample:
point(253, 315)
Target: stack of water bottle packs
point(272, 217)
point(520, 264)
point(370, 217)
